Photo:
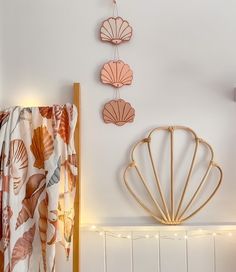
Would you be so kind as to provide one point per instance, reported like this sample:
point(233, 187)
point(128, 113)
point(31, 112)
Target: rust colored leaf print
point(5, 183)
point(70, 172)
point(42, 146)
point(52, 219)
point(64, 128)
point(71, 109)
point(5, 188)
point(1, 261)
point(6, 216)
point(43, 224)
point(4, 116)
point(2, 158)
point(18, 163)
point(46, 112)
point(23, 247)
point(67, 220)
point(72, 159)
point(46, 230)
point(56, 116)
point(7, 269)
point(34, 188)
point(0, 216)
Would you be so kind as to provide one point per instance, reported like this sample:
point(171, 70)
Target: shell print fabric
point(18, 163)
point(42, 146)
point(37, 171)
point(23, 248)
point(34, 188)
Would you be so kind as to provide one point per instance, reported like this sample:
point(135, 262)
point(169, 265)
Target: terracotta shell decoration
point(118, 112)
point(18, 162)
point(34, 188)
point(117, 74)
point(153, 175)
point(115, 30)
point(42, 146)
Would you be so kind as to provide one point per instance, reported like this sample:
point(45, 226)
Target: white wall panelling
point(168, 253)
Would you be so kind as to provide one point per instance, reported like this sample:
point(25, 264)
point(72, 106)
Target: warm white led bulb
point(101, 233)
point(176, 234)
point(185, 237)
point(156, 236)
point(230, 234)
point(93, 227)
point(214, 234)
point(147, 236)
point(119, 235)
point(128, 236)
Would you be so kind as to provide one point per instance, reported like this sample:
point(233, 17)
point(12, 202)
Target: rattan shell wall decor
point(166, 206)
point(116, 73)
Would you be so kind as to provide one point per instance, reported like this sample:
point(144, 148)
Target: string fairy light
point(159, 236)
point(172, 235)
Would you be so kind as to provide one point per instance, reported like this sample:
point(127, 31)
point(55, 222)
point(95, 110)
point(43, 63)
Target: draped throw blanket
point(37, 185)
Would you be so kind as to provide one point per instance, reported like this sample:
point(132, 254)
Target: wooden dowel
point(76, 234)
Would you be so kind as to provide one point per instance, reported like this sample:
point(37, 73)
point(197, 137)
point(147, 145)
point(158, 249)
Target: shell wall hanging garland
point(116, 73)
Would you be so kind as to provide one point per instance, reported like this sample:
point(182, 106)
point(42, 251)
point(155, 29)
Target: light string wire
point(186, 250)
point(159, 252)
point(116, 55)
point(214, 252)
point(132, 252)
point(105, 251)
point(174, 236)
point(115, 12)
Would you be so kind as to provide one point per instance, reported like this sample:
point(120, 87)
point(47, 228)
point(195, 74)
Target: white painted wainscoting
point(199, 251)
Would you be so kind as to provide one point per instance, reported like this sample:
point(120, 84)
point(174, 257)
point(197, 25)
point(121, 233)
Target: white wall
point(184, 61)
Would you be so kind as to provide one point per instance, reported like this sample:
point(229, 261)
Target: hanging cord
point(159, 252)
point(132, 251)
point(214, 253)
point(115, 9)
point(116, 58)
point(105, 251)
point(116, 94)
point(186, 251)
point(116, 55)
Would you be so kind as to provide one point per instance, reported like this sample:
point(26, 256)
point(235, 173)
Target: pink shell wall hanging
point(116, 73)
point(118, 112)
point(115, 30)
